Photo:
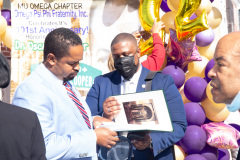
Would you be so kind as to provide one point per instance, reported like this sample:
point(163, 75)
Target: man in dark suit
point(126, 56)
point(20, 131)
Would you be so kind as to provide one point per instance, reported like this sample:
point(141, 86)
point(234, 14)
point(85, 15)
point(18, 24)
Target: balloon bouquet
point(5, 26)
point(190, 50)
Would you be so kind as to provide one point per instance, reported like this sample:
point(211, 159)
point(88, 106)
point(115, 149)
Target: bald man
point(225, 73)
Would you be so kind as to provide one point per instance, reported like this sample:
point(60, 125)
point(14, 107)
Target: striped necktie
point(79, 105)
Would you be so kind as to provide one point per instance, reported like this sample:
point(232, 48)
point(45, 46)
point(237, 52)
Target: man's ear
point(139, 52)
point(51, 59)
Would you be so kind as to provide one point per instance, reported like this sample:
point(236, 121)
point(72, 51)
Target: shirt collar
point(57, 80)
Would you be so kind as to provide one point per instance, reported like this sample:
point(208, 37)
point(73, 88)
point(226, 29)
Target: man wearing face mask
point(126, 56)
point(225, 73)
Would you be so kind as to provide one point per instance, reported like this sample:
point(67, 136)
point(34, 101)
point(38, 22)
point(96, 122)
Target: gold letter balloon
point(148, 11)
point(185, 27)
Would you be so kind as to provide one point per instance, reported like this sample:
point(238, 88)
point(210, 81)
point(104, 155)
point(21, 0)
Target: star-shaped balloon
point(182, 52)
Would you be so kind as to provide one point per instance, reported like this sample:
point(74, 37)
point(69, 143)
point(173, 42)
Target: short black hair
point(4, 71)
point(124, 37)
point(59, 41)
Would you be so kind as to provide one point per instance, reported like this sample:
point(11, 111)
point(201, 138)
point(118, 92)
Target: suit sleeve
point(68, 146)
point(38, 146)
point(155, 61)
point(163, 140)
point(93, 100)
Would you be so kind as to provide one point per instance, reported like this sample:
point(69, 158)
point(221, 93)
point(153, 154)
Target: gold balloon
point(168, 19)
point(205, 4)
point(179, 153)
point(216, 112)
point(7, 37)
point(173, 4)
point(208, 92)
point(3, 24)
point(148, 11)
point(197, 68)
point(185, 27)
point(1, 3)
point(214, 18)
point(208, 51)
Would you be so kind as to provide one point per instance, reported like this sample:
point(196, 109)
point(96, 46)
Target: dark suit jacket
point(20, 134)
point(110, 84)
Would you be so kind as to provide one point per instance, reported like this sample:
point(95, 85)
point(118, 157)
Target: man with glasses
point(126, 56)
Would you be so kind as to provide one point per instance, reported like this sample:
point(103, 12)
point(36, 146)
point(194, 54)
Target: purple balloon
point(164, 6)
point(193, 16)
point(205, 38)
point(194, 110)
point(177, 74)
point(7, 15)
point(223, 154)
point(211, 1)
point(195, 157)
point(194, 139)
point(237, 127)
point(195, 89)
point(209, 66)
point(209, 152)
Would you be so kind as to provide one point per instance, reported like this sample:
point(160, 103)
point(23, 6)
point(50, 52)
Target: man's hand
point(142, 144)
point(106, 137)
point(98, 121)
point(111, 107)
point(157, 26)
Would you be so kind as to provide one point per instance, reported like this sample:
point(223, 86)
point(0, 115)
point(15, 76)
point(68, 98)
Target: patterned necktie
point(79, 105)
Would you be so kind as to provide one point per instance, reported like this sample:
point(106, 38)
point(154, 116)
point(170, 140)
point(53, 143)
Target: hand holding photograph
point(142, 111)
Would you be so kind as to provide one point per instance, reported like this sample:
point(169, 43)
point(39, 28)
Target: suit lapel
point(116, 83)
point(49, 80)
point(141, 81)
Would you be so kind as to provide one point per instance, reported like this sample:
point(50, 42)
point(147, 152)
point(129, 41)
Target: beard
point(70, 76)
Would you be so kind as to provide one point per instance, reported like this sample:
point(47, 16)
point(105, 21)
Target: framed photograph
point(142, 111)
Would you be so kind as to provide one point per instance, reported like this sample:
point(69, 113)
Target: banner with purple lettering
point(32, 21)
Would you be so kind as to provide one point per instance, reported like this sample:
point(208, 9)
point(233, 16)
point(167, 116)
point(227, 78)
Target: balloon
point(208, 51)
point(194, 110)
point(164, 6)
point(148, 11)
point(1, 3)
point(205, 38)
point(182, 52)
point(208, 92)
point(194, 139)
point(195, 89)
point(7, 15)
point(197, 68)
point(184, 98)
point(223, 154)
point(185, 27)
point(209, 152)
point(215, 112)
point(221, 135)
point(209, 66)
point(168, 19)
point(173, 4)
point(3, 24)
point(179, 153)
point(214, 18)
point(177, 74)
point(7, 37)
point(204, 5)
point(211, 1)
point(195, 157)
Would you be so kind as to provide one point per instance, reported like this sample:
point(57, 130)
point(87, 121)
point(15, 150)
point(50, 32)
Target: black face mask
point(126, 66)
